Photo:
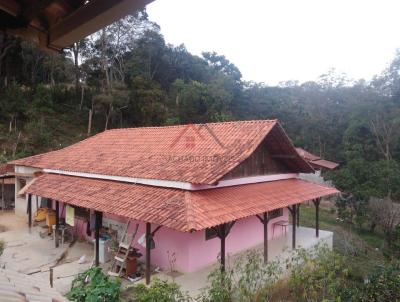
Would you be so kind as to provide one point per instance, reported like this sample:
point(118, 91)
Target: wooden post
point(294, 226)
point(222, 231)
point(148, 251)
point(298, 215)
point(97, 235)
point(57, 224)
point(51, 277)
point(264, 220)
point(265, 223)
point(316, 204)
point(30, 211)
point(223, 237)
point(3, 203)
point(293, 211)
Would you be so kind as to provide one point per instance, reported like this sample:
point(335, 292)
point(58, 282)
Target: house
point(198, 191)
point(320, 166)
point(7, 183)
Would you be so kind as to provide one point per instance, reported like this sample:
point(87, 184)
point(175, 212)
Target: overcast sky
point(278, 40)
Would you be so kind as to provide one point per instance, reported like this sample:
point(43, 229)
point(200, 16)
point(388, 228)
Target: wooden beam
point(283, 156)
point(98, 216)
point(156, 230)
point(90, 18)
point(32, 11)
point(11, 7)
point(148, 251)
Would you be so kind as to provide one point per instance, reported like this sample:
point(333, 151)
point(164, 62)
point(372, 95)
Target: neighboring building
point(188, 186)
point(320, 166)
point(7, 186)
point(317, 162)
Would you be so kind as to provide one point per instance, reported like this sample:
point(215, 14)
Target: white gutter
point(177, 184)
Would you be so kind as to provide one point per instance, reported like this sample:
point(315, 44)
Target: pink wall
point(192, 251)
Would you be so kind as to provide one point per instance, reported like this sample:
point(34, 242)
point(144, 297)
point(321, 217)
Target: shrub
point(160, 291)
point(318, 275)
point(94, 286)
point(2, 247)
point(383, 285)
point(249, 280)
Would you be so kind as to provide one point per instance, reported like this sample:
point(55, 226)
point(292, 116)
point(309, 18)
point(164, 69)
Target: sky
point(272, 41)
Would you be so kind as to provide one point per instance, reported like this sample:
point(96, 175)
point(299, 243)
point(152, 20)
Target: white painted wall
point(20, 202)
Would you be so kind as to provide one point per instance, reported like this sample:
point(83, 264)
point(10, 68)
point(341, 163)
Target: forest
point(126, 75)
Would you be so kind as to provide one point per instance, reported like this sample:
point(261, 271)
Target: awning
point(174, 208)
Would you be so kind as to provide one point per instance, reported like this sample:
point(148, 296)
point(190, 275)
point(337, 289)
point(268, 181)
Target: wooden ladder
point(123, 251)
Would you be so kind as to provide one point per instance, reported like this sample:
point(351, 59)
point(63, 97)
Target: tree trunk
point(75, 50)
point(16, 144)
point(82, 95)
point(90, 123)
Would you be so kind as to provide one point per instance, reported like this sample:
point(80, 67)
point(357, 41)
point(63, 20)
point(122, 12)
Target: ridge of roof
point(185, 125)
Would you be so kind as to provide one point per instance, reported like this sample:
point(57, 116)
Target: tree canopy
point(126, 75)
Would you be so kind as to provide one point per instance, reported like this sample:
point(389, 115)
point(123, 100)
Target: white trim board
point(178, 184)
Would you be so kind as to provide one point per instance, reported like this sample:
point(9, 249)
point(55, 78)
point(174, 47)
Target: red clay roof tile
point(174, 208)
point(199, 154)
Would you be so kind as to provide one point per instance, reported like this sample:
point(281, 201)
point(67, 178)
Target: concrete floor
point(27, 252)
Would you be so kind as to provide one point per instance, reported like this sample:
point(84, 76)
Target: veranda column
point(98, 216)
point(264, 220)
point(316, 204)
point(293, 212)
point(148, 254)
point(3, 203)
point(56, 238)
point(29, 211)
point(222, 231)
point(149, 241)
point(298, 215)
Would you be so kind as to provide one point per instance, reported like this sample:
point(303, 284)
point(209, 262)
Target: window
point(275, 213)
point(82, 213)
point(21, 184)
point(210, 234)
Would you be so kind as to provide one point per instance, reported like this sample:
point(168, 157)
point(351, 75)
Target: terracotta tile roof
point(177, 209)
point(20, 287)
point(6, 169)
point(199, 154)
point(316, 161)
